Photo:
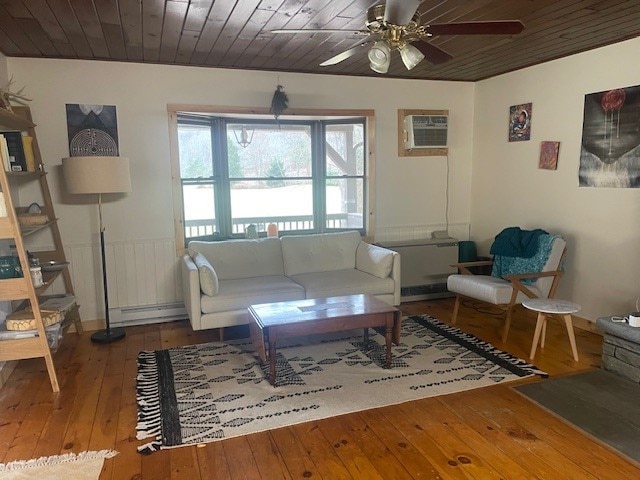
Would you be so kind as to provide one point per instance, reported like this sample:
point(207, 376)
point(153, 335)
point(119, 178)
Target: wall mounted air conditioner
point(426, 131)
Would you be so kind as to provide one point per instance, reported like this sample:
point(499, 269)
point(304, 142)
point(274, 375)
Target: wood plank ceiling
point(236, 33)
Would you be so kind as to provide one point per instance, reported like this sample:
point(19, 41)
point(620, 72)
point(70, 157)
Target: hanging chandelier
point(246, 135)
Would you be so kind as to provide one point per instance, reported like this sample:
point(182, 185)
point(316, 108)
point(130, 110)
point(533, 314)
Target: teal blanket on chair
point(504, 266)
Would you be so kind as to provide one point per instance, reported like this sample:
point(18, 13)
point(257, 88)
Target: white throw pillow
point(208, 277)
point(374, 260)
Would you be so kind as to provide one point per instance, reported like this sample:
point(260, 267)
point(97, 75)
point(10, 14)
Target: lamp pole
point(109, 335)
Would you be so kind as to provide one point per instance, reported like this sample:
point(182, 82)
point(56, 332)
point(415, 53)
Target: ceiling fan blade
point(498, 27)
point(324, 30)
point(432, 53)
point(344, 55)
point(400, 12)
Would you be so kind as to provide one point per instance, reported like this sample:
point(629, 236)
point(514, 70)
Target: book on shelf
point(27, 144)
point(3, 206)
point(15, 149)
point(4, 154)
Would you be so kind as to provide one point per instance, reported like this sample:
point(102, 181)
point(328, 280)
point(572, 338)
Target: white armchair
point(508, 291)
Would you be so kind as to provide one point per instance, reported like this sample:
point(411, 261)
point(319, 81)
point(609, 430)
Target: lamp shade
point(411, 56)
point(379, 56)
point(96, 174)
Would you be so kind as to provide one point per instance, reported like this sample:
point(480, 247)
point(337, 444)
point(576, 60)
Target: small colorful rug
point(71, 466)
point(212, 391)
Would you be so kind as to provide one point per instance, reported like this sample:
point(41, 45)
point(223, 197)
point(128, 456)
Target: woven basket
point(24, 320)
point(28, 219)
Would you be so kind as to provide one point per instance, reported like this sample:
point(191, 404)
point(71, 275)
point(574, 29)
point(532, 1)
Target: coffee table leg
point(272, 363)
point(366, 337)
point(387, 336)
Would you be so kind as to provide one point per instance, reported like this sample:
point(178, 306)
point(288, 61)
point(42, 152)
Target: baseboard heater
point(425, 265)
point(146, 314)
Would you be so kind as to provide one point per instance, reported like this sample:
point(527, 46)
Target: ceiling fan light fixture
point(380, 56)
point(411, 56)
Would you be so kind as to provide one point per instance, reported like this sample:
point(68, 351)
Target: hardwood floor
point(485, 433)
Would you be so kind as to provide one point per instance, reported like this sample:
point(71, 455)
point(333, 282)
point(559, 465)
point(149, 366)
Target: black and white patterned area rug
point(212, 391)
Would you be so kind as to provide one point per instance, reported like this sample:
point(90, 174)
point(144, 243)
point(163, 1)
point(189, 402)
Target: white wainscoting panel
point(139, 273)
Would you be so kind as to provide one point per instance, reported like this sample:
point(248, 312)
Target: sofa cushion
point(374, 260)
point(343, 282)
point(208, 276)
point(487, 288)
point(237, 294)
point(319, 253)
point(242, 258)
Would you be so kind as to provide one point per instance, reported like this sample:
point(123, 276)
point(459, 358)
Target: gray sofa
point(221, 279)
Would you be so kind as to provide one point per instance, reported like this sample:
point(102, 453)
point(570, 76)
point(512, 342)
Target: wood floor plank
point(298, 462)
point(16, 402)
point(564, 437)
point(243, 465)
point(318, 448)
point(411, 458)
point(379, 454)
point(27, 436)
point(496, 429)
point(156, 466)
point(184, 464)
point(457, 450)
point(267, 456)
point(347, 449)
point(533, 453)
point(499, 437)
point(504, 466)
point(127, 464)
point(90, 377)
point(410, 420)
point(52, 436)
point(212, 461)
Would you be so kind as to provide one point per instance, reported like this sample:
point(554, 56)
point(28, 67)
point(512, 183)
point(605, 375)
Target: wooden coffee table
point(273, 322)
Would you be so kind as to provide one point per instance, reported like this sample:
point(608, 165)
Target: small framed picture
point(549, 155)
point(520, 122)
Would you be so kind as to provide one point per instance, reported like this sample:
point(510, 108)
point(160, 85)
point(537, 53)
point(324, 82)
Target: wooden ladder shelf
point(23, 288)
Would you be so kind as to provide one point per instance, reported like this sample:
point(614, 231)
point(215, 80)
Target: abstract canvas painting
point(549, 155)
point(520, 122)
point(92, 130)
point(610, 153)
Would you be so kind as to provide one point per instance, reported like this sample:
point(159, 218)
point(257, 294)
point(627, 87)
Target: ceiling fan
point(396, 26)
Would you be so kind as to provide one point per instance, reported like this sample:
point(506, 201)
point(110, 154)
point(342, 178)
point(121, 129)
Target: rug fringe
point(56, 459)
point(148, 399)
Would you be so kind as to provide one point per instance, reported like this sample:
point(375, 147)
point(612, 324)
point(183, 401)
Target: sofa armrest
point(380, 262)
point(395, 274)
point(191, 290)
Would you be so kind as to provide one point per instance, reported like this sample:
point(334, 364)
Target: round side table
point(551, 306)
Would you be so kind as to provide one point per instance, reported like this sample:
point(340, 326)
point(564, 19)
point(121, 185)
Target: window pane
point(345, 203)
point(345, 149)
point(287, 203)
point(194, 145)
point(199, 210)
point(272, 151)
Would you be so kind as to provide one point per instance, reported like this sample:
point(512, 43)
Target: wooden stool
point(550, 306)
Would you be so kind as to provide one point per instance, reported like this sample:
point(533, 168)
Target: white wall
point(602, 225)
point(410, 191)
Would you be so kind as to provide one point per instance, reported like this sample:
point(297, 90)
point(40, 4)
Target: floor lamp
point(99, 175)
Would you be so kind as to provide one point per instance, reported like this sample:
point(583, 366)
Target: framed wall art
point(549, 155)
point(92, 130)
point(610, 151)
point(520, 122)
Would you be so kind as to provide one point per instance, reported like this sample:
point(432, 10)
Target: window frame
point(221, 181)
